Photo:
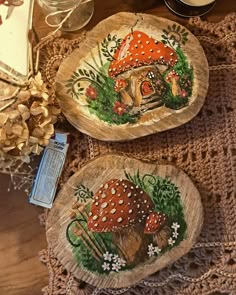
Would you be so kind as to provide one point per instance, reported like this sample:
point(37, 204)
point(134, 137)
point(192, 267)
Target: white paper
point(14, 49)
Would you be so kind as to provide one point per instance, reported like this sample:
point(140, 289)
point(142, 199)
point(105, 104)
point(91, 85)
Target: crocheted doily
point(204, 148)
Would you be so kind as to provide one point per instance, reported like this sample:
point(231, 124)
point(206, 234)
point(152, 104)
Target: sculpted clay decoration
point(126, 222)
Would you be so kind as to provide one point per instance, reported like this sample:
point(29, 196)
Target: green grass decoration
point(166, 198)
point(185, 73)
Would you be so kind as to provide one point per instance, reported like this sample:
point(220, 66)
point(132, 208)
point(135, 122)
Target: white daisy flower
point(175, 235)
point(115, 258)
point(151, 253)
point(106, 266)
point(116, 267)
point(107, 256)
point(157, 250)
point(175, 226)
point(171, 241)
point(121, 262)
point(151, 247)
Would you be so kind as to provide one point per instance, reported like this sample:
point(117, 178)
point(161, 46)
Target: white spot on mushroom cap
point(104, 205)
point(129, 194)
point(106, 186)
point(121, 202)
point(104, 219)
point(113, 211)
point(104, 195)
point(130, 211)
point(120, 219)
point(95, 217)
point(90, 213)
point(113, 191)
point(96, 203)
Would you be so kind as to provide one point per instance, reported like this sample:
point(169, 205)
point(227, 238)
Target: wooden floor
point(21, 236)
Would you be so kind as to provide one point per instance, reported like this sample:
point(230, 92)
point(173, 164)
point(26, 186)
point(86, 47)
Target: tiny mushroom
point(120, 85)
point(138, 49)
point(156, 224)
point(118, 204)
point(155, 221)
point(173, 77)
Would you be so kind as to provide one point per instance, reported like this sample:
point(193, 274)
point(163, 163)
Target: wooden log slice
point(133, 75)
point(119, 220)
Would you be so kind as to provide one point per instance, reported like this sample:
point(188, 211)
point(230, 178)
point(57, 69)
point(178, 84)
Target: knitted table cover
point(205, 148)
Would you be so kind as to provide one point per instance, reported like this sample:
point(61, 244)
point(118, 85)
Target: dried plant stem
point(92, 250)
point(92, 244)
point(100, 242)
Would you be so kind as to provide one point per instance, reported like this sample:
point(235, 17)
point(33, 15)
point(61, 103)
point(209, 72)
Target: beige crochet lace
point(204, 148)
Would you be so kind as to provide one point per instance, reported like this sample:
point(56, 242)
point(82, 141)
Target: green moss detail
point(104, 104)
point(166, 198)
point(185, 83)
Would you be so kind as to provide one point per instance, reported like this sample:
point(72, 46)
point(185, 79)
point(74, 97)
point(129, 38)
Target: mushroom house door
point(112, 226)
point(135, 80)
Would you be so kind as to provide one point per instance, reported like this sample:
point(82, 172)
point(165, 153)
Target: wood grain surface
point(93, 176)
point(156, 119)
point(21, 235)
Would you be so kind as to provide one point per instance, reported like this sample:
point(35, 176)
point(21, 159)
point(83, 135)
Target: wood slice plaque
point(133, 75)
point(119, 220)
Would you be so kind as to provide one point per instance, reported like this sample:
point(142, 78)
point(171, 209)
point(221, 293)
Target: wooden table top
point(21, 235)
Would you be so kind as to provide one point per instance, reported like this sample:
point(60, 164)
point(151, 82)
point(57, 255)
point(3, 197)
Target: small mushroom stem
point(175, 87)
point(125, 98)
point(92, 244)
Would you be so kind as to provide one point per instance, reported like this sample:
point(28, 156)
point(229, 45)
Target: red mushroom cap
point(138, 49)
point(118, 204)
point(172, 74)
point(155, 221)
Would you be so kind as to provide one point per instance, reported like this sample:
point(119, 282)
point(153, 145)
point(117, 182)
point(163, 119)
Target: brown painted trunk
point(131, 241)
